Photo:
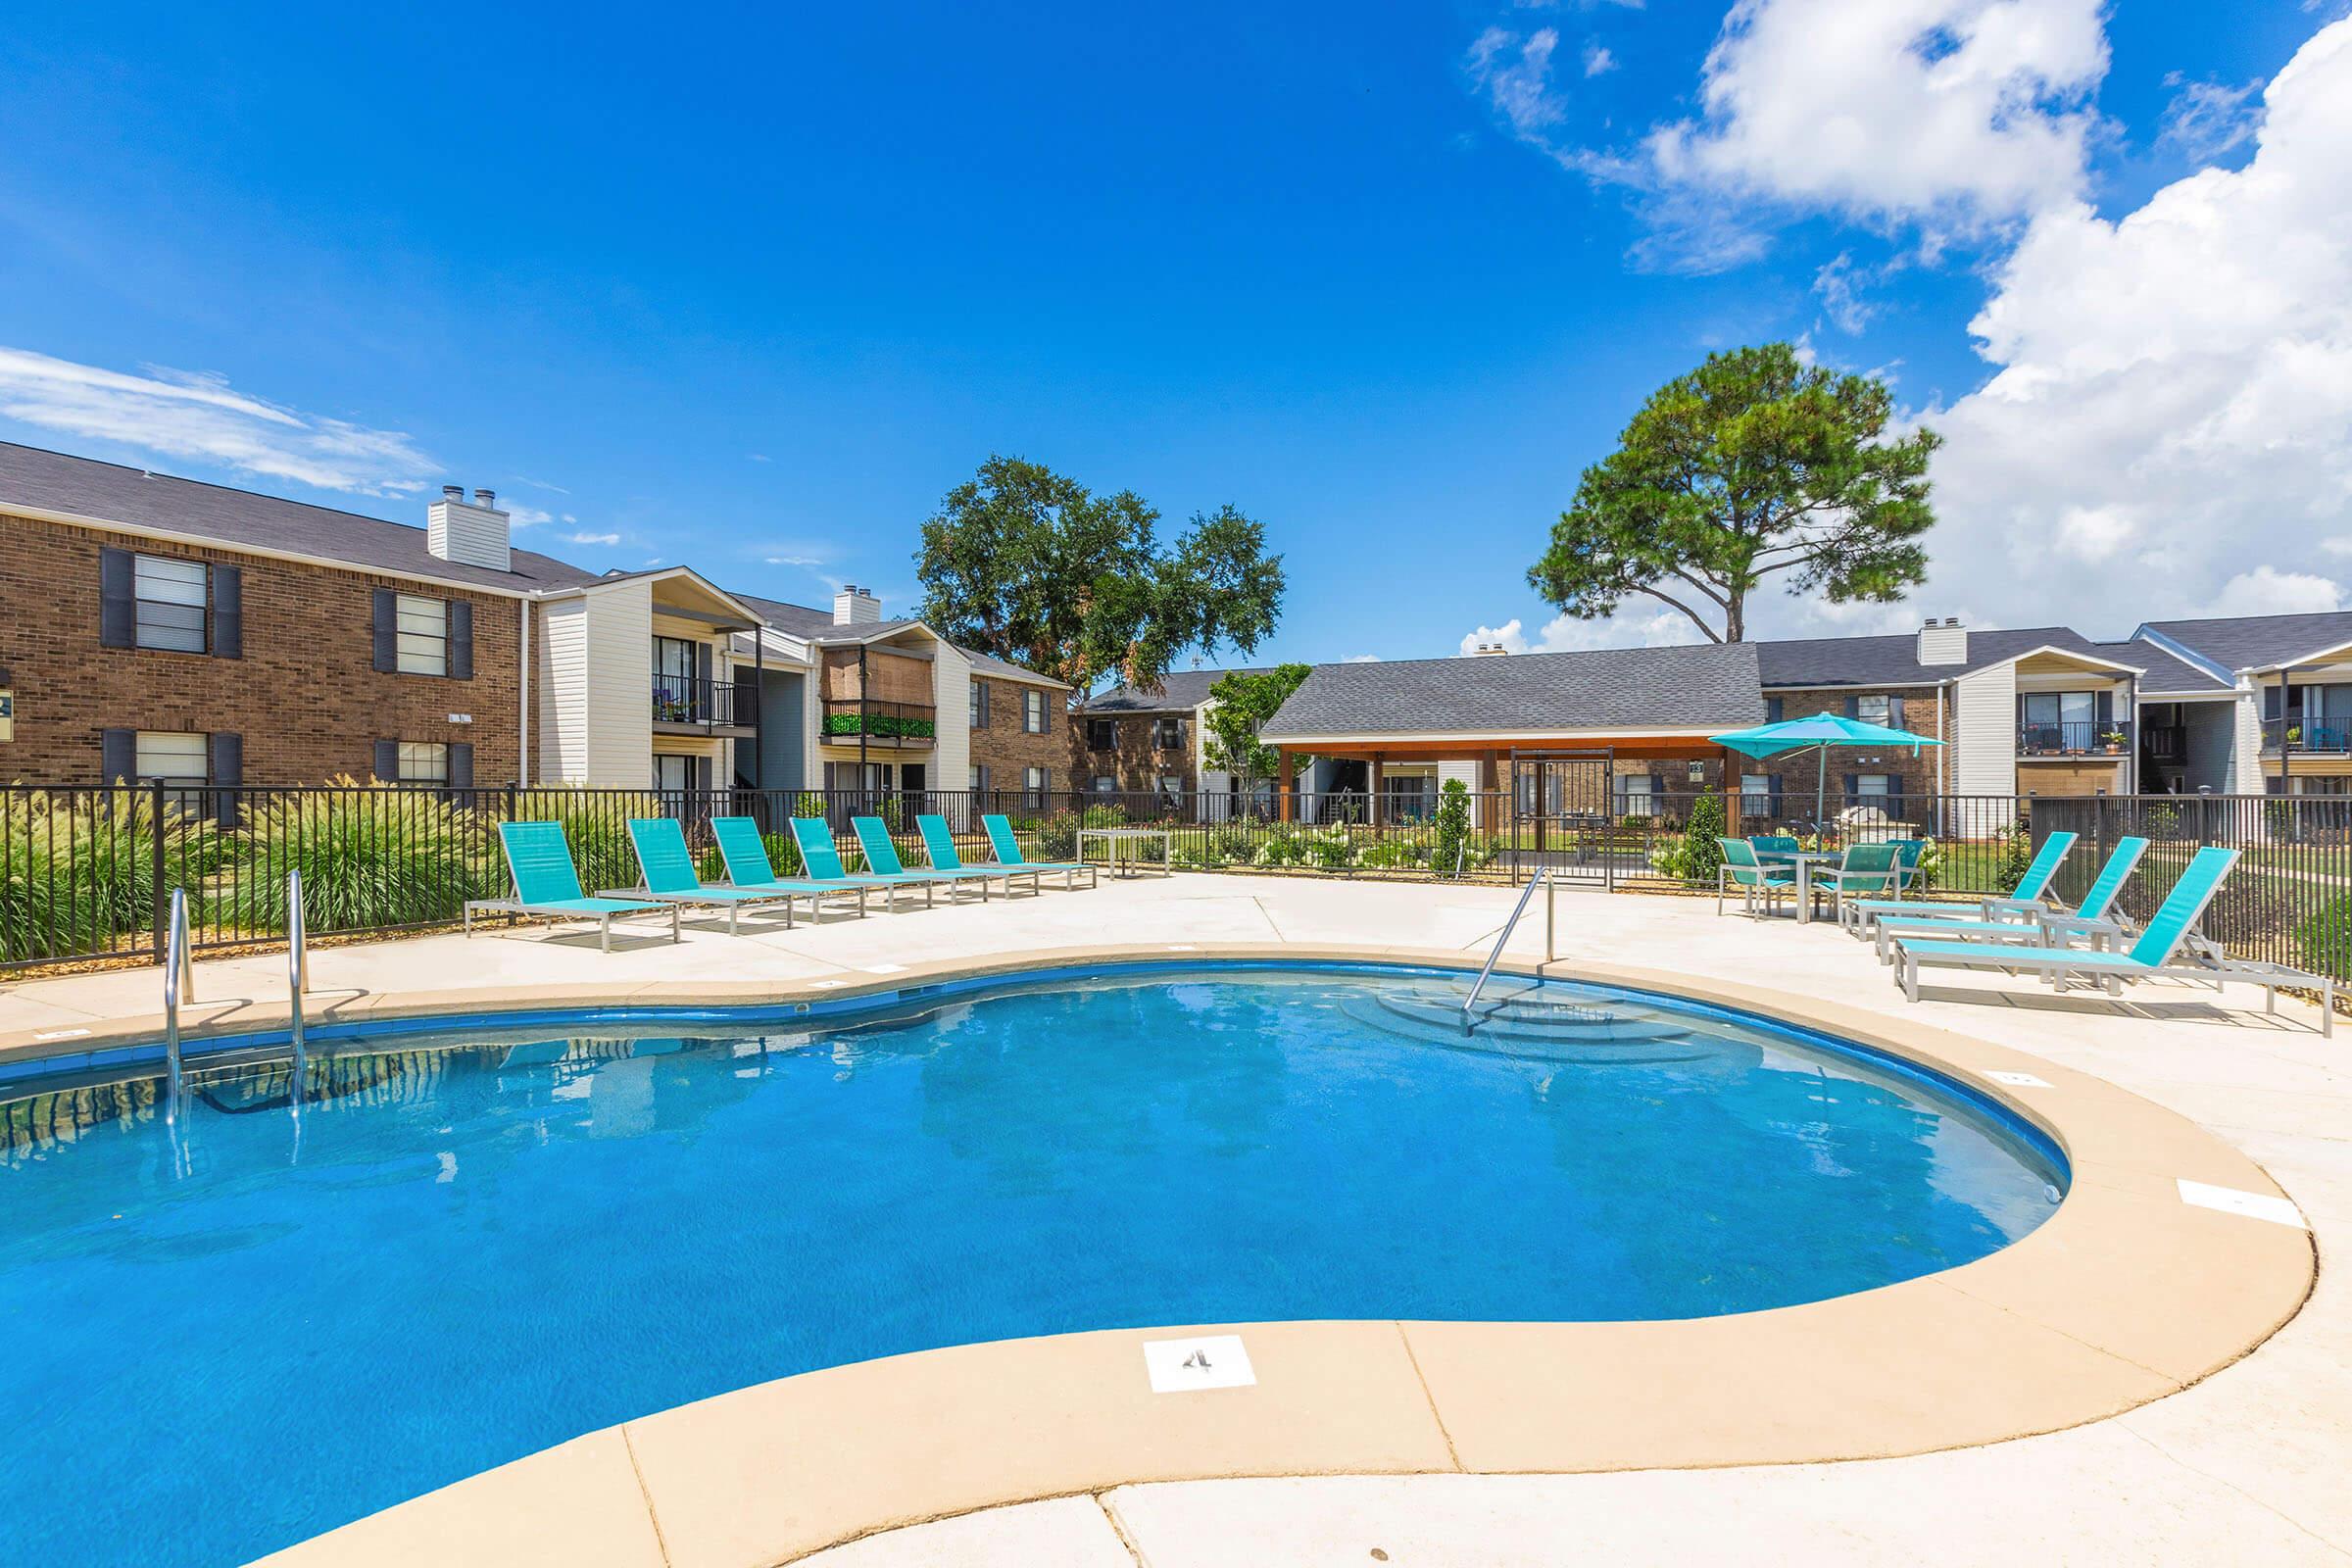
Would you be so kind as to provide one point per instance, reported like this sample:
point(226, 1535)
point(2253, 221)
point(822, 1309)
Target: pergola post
point(1289, 772)
point(1373, 772)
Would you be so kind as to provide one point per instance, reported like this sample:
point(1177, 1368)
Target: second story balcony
point(849, 720)
point(692, 703)
point(2074, 738)
point(2331, 735)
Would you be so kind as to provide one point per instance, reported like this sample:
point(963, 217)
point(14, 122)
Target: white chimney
point(1944, 642)
point(854, 606)
point(472, 533)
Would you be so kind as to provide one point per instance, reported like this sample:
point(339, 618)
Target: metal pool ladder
point(298, 977)
point(179, 981)
point(1544, 879)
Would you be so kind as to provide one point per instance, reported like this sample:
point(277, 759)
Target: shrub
point(2323, 939)
point(1389, 854)
point(1452, 823)
point(596, 824)
point(782, 854)
point(47, 906)
point(1693, 857)
point(379, 855)
point(880, 724)
point(1103, 816)
point(2016, 854)
point(116, 856)
point(1333, 851)
point(1232, 846)
point(1281, 848)
point(1057, 838)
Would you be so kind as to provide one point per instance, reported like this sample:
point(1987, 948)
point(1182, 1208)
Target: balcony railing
point(2327, 735)
point(2167, 743)
point(2074, 737)
point(691, 700)
point(904, 724)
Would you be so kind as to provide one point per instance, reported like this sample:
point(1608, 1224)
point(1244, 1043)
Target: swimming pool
point(484, 1240)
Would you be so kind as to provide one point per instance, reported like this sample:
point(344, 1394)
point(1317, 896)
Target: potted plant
point(2113, 740)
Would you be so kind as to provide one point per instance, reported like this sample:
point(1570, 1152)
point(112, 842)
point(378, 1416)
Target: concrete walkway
point(2249, 1466)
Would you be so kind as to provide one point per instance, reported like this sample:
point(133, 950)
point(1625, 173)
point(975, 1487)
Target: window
point(977, 777)
point(170, 603)
point(1033, 784)
point(674, 690)
point(1636, 795)
point(978, 697)
point(1870, 789)
point(1756, 794)
point(170, 756)
point(1101, 735)
point(1171, 787)
point(423, 763)
point(1167, 734)
point(2059, 722)
point(1032, 711)
point(1105, 784)
point(1874, 710)
point(669, 772)
point(421, 640)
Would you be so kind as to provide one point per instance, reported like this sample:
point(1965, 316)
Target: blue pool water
point(481, 1242)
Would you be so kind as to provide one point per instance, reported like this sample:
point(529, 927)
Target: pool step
point(1582, 1035)
point(1535, 1017)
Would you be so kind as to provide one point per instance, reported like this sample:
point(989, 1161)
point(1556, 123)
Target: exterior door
point(1560, 815)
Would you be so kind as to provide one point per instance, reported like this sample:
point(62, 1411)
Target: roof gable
point(1699, 687)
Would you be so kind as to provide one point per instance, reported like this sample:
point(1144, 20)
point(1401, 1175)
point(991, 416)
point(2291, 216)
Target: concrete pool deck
point(2129, 1296)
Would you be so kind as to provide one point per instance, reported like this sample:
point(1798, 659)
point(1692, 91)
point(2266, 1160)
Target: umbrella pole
point(1821, 784)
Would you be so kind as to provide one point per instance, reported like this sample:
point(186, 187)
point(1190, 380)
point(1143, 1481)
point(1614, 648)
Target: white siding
point(1985, 732)
point(561, 654)
point(950, 765)
point(2246, 765)
point(1467, 772)
point(620, 668)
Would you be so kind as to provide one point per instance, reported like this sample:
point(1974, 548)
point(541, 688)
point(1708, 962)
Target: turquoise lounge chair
point(939, 844)
point(882, 858)
point(2050, 929)
point(669, 876)
point(545, 883)
point(1741, 869)
point(2020, 905)
point(823, 861)
point(1011, 859)
point(751, 870)
point(2156, 954)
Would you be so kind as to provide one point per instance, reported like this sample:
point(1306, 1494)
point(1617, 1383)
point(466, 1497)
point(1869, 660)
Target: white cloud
point(2172, 399)
point(593, 538)
point(1841, 285)
point(1361, 659)
point(1599, 62)
point(1958, 114)
point(198, 415)
point(2265, 591)
point(525, 516)
point(2206, 119)
point(1628, 628)
point(1515, 75)
point(759, 456)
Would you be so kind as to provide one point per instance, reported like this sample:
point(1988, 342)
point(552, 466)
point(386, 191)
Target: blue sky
point(752, 290)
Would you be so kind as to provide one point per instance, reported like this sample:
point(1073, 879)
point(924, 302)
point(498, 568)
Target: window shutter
point(387, 636)
point(461, 639)
point(227, 771)
point(227, 585)
point(461, 764)
point(983, 685)
point(2021, 713)
point(1044, 713)
point(117, 611)
point(2106, 711)
point(1776, 795)
point(984, 786)
point(387, 761)
point(118, 754)
point(1894, 713)
point(1853, 788)
point(1854, 708)
point(1773, 706)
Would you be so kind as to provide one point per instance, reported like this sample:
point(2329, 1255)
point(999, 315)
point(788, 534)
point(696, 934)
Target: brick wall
point(1912, 776)
point(1133, 760)
point(304, 696)
point(1006, 750)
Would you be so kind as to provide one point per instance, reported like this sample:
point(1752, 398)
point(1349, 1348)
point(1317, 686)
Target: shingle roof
point(2259, 642)
point(806, 620)
point(1181, 691)
point(108, 492)
point(1894, 661)
point(2164, 672)
point(1711, 685)
point(990, 665)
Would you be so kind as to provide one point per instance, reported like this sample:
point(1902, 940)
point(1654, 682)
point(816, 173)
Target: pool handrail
point(1544, 878)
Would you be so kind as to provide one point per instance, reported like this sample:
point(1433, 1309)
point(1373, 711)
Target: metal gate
point(1561, 811)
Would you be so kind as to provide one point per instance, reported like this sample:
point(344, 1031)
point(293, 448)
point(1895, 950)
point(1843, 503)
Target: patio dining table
point(1804, 861)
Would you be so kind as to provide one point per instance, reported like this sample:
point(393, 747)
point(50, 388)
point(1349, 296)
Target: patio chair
point(2157, 954)
point(882, 858)
point(749, 868)
point(1011, 859)
point(1863, 868)
point(823, 861)
point(2052, 928)
point(1741, 869)
point(1908, 852)
point(668, 875)
point(939, 844)
point(540, 861)
point(1768, 845)
point(2020, 905)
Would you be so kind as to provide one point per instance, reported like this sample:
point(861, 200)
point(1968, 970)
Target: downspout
point(522, 734)
point(758, 707)
point(2286, 700)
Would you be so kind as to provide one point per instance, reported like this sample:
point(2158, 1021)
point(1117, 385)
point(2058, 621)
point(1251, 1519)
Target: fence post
point(155, 854)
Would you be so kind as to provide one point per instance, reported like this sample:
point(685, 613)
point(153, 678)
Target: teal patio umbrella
point(1822, 731)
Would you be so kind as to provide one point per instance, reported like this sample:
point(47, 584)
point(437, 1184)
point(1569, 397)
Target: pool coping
point(2124, 1296)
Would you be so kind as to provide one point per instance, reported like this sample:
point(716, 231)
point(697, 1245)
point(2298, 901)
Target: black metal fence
point(88, 872)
